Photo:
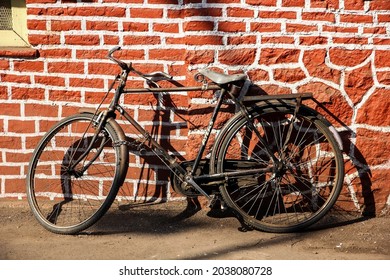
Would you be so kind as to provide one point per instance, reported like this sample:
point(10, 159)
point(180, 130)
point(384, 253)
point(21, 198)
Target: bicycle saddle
point(220, 78)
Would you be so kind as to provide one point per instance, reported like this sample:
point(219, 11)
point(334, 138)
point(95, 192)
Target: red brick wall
point(337, 49)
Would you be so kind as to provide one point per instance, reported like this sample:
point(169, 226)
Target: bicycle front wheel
point(300, 167)
point(66, 197)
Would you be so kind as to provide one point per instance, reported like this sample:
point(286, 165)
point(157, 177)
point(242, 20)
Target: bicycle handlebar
point(121, 63)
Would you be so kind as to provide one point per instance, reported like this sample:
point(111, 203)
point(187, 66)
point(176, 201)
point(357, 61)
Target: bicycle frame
point(170, 161)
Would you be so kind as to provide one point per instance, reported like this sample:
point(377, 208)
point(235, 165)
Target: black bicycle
point(277, 164)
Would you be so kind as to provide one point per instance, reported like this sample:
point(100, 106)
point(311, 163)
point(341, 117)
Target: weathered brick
point(84, 40)
point(327, 4)
point(358, 81)
point(237, 56)
point(375, 110)
point(289, 75)
point(353, 18)
point(276, 56)
point(382, 58)
point(66, 67)
point(347, 57)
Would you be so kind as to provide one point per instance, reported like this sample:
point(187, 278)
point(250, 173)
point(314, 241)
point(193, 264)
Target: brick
point(29, 66)
point(102, 25)
point(4, 64)
point(16, 126)
point(318, 16)
point(203, 40)
point(10, 170)
point(86, 82)
point(237, 56)
point(111, 39)
point(65, 25)
point(204, 12)
point(3, 92)
point(380, 5)
point(383, 18)
point(28, 93)
point(289, 75)
point(293, 3)
point(242, 40)
point(350, 40)
point(258, 75)
point(198, 26)
point(313, 40)
point(239, 12)
point(375, 30)
point(103, 68)
point(49, 80)
point(340, 29)
point(270, 56)
point(354, 5)
point(199, 56)
point(265, 27)
point(15, 185)
point(373, 146)
point(141, 40)
point(327, 4)
point(383, 77)
point(50, 39)
point(41, 110)
point(166, 54)
point(36, 24)
point(346, 57)
point(56, 53)
point(352, 18)
point(164, 2)
point(382, 58)
point(166, 27)
point(227, 26)
point(297, 27)
point(278, 14)
point(64, 95)
point(146, 13)
point(66, 67)
point(83, 40)
point(261, 2)
point(277, 40)
point(135, 26)
point(375, 109)
point(21, 79)
point(10, 142)
point(9, 109)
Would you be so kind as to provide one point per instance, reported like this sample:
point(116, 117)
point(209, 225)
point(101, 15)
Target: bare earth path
point(170, 231)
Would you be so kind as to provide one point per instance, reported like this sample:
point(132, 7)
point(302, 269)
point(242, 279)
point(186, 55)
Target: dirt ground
point(173, 231)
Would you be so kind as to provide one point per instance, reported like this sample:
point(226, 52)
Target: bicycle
point(277, 164)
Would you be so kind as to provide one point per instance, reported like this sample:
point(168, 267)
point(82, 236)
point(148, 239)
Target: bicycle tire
point(61, 200)
point(295, 194)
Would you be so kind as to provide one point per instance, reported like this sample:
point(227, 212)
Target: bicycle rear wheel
point(306, 179)
point(67, 200)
